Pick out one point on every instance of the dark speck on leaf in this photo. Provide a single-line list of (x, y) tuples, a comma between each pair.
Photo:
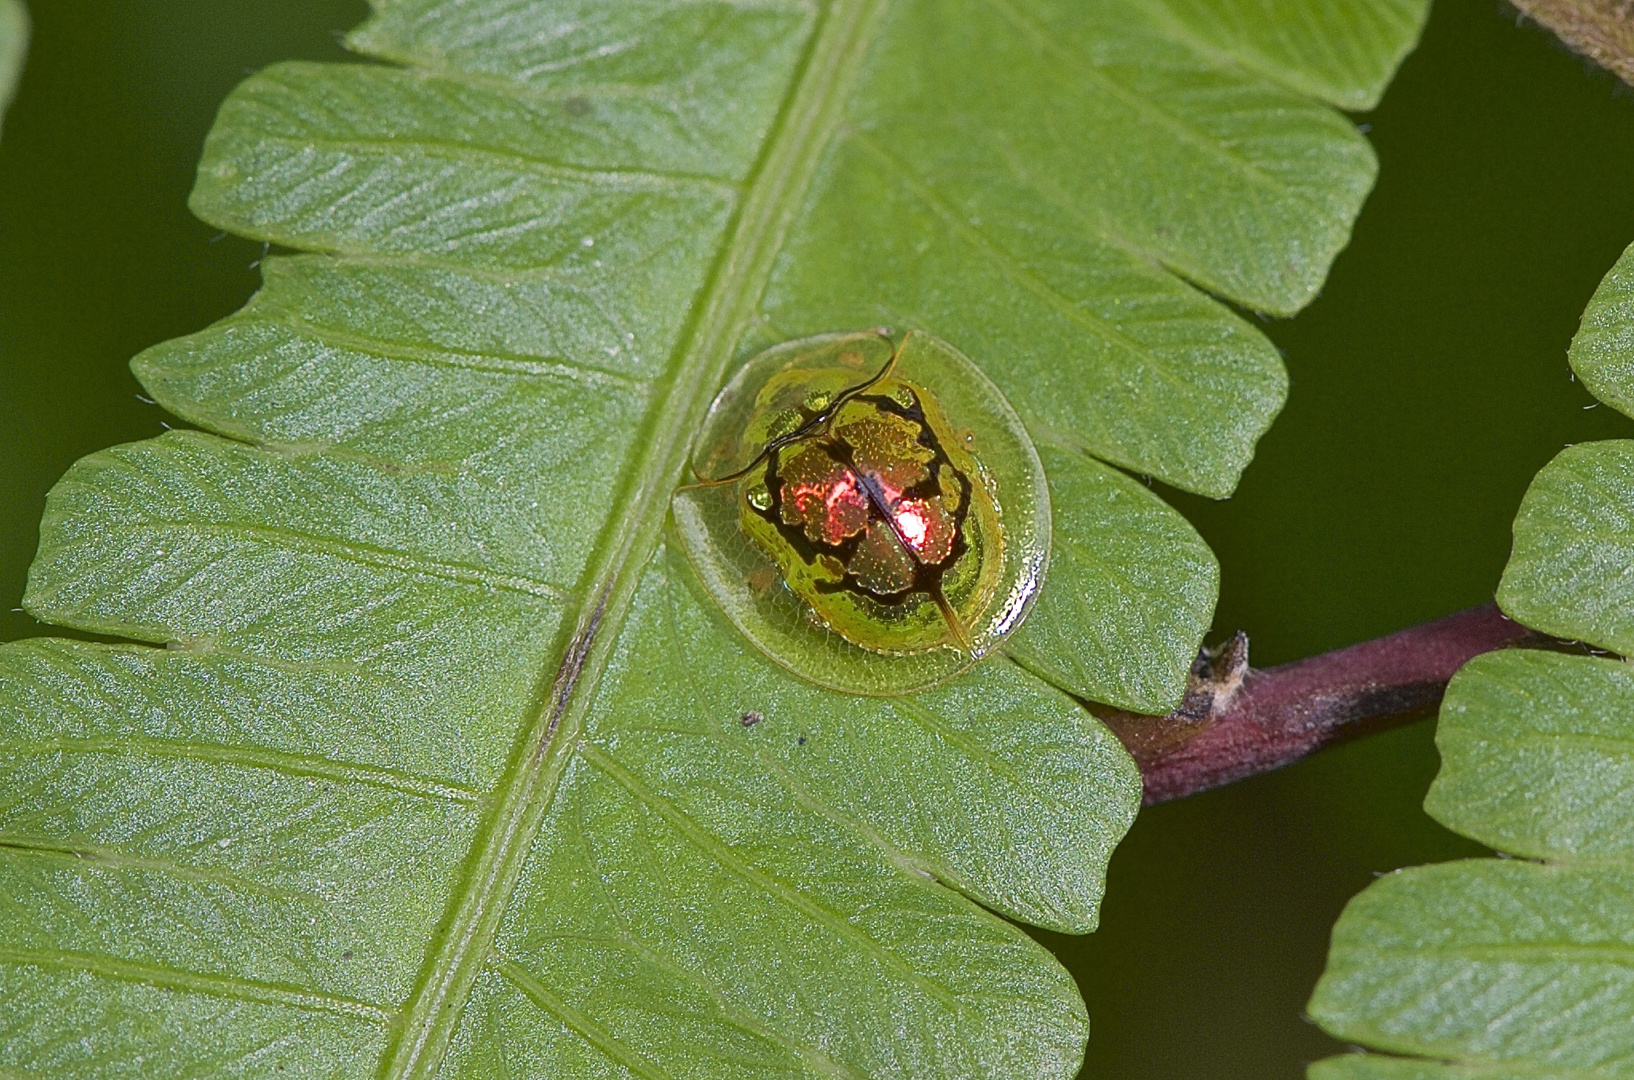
[(751, 718), (576, 106), (347, 955), (801, 740)]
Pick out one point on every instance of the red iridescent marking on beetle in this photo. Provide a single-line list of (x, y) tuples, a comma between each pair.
[(832, 501), (874, 495), (823, 496), (927, 527)]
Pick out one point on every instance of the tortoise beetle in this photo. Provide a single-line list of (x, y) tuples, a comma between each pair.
[(872, 516)]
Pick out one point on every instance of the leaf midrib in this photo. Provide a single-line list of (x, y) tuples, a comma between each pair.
[(806, 125)]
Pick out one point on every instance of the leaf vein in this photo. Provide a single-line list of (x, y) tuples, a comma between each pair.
[(371, 555), (223, 986), (789, 896), (1190, 134), (580, 1023), (93, 857), (255, 757), (594, 179), (1015, 271), (562, 368), (810, 114)]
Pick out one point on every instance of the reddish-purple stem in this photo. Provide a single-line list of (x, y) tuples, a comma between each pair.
[(1238, 722)]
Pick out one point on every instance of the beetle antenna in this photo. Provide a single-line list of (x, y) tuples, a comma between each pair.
[(884, 372), (815, 423)]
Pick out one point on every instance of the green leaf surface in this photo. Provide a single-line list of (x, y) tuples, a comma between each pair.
[(1506, 968), (1489, 962), (1537, 754), (1602, 353), (1380, 1067), (1108, 599), (1055, 261), (1341, 53), (1571, 572), (436, 762), (13, 47), (1520, 968)]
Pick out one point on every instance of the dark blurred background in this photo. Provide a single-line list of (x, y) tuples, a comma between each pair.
[(1429, 384)]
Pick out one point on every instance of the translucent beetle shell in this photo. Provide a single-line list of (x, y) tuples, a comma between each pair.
[(873, 517)]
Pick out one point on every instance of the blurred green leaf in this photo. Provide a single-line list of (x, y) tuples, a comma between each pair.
[(1509, 968), (1602, 353), (444, 765), (13, 47), (1379, 1067), (1572, 570)]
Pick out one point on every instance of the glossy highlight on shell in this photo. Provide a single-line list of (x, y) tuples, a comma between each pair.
[(871, 515)]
